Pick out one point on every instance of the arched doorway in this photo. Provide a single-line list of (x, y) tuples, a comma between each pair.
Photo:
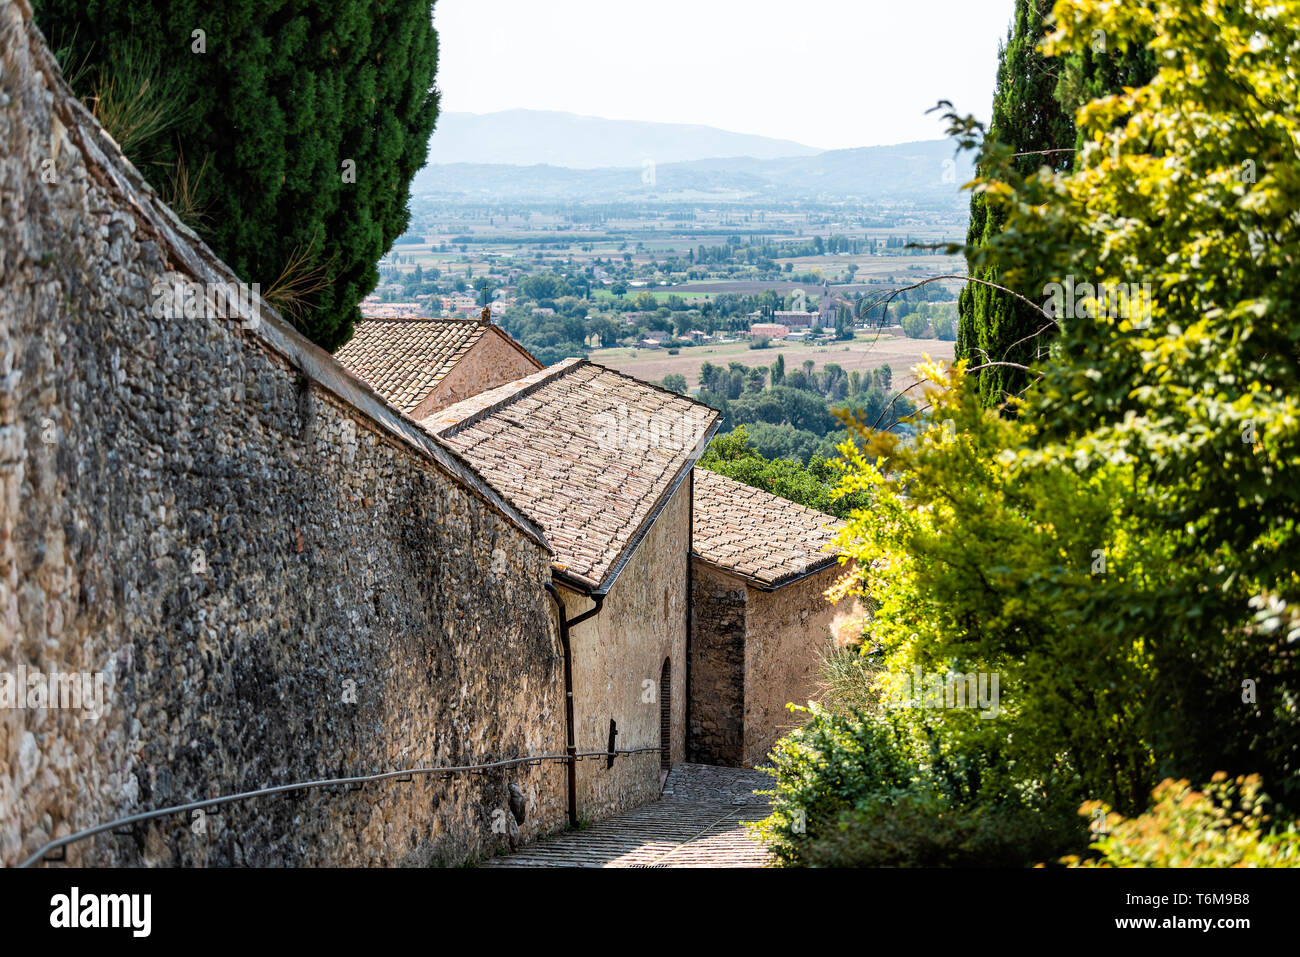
[(666, 716)]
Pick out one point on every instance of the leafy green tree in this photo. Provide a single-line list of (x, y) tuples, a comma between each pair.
[(761, 407), (944, 328), (1122, 554), (778, 370), (675, 382), (783, 441), (733, 454), (915, 327), (711, 377), (296, 128), (544, 286)]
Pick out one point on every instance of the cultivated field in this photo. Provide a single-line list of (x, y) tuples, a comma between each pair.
[(864, 353)]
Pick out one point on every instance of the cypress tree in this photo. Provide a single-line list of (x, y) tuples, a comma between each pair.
[(302, 123), (1033, 110), (1027, 116)]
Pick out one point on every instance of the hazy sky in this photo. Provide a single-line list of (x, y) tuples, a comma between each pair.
[(828, 73)]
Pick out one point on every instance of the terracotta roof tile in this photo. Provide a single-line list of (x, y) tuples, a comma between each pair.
[(757, 535), (404, 359), (586, 452)]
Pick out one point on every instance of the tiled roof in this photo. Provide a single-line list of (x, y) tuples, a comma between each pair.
[(757, 535), (587, 453), (404, 359)]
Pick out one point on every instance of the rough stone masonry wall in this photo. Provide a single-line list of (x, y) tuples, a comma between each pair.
[(717, 666), (278, 577)]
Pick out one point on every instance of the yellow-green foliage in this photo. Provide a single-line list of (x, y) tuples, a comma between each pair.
[(1122, 553), (1106, 551), (1222, 825)]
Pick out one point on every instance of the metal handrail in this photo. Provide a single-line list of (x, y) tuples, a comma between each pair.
[(407, 774)]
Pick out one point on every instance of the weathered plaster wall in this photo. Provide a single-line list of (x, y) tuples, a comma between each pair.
[(787, 632), (492, 362), (278, 584), (615, 654), (717, 666)]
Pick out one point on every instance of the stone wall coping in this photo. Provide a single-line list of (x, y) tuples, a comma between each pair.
[(187, 253)]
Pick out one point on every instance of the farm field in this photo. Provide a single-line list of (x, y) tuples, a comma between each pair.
[(864, 353)]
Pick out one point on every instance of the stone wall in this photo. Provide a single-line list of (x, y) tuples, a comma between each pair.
[(752, 653), (717, 666), (277, 576), (618, 657)]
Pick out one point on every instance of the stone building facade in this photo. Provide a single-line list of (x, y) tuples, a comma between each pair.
[(604, 463), (760, 620), (630, 665)]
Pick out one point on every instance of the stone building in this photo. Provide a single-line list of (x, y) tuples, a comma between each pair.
[(423, 365), (771, 330), (760, 621), (603, 463)]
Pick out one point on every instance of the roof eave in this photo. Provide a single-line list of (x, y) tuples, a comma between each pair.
[(780, 583)]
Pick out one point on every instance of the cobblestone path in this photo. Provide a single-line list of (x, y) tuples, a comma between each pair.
[(696, 823)]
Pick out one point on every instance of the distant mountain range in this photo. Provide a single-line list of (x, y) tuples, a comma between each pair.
[(531, 137), (927, 172)]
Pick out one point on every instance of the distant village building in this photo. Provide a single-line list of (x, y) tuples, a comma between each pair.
[(761, 621), (423, 365), (604, 464), (460, 305), (796, 320), (373, 309), (770, 330)]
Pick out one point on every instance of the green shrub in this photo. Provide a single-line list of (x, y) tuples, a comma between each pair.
[(922, 829), (882, 790), (1223, 825)]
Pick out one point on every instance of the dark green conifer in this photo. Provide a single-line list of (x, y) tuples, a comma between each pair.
[(286, 131)]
